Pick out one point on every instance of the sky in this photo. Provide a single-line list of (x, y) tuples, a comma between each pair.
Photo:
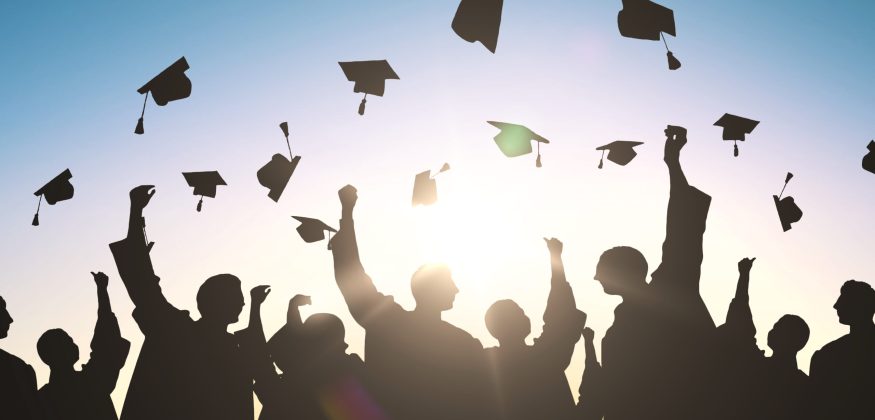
[(69, 100)]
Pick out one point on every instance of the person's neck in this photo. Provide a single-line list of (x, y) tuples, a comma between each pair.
[(785, 360), (214, 326), (61, 374), (427, 312), (862, 328), (512, 345)]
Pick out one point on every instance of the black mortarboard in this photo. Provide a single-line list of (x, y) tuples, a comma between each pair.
[(369, 77), (204, 184), (735, 128), (169, 85), (479, 20), (515, 140), (58, 189), (313, 230), (644, 19), (788, 211), (275, 174), (425, 187), (620, 152), (869, 159)]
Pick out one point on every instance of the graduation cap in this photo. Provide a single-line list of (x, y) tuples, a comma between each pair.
[(169, 85), (275, 174), (58, 189), (515, 140), (620, 152), (313, 230), (425, 187), (869, 159), (735, 127), (788, 211), (644, 19), (369, 77), (204, 184), (479, 20)]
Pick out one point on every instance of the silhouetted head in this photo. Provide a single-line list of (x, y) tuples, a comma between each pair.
[(856, 304), (507, 322), (220, 299), (789, 335), (621, 270), (433, 287), (57, 349), (5, 319), (326, 332)]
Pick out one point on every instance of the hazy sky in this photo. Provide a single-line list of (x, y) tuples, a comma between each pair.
[(68, 100)]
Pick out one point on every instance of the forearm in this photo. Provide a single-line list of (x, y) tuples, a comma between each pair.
[(293, 317), (255, 324), (741, 288), (676, 174), (136, 224), (558, 270), (103, 303)]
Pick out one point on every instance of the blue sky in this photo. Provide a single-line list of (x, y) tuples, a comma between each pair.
[(69, 100)]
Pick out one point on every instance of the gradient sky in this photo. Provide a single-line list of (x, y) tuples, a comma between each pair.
[(69, 100)]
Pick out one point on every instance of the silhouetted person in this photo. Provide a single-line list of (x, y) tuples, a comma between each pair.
[(320, 381), (423, 367), (18, 394), (843, 371), (186, 369), (530, 381), (591, 383), (750, 385), (85, 394), (654, 355)]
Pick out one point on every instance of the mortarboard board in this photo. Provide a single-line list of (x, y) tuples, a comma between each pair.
[(313, 230), (425, 187), (204, 184), (644, 19), (479, 20), (735, 128), (275, 174), (515, 140), (788, 211), (869, 159), (620, 152), (369, 77), (58, 189), (169, 85)]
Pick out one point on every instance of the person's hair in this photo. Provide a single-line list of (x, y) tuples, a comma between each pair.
[(213, 292), (429, 278), (624, 261), (861, 293), (50, 343), (505, 319), (796, 331)]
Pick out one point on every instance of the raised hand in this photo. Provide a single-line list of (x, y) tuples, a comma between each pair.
[(348, 196), (675, 139), (745, 265), (141, 195), (554, 246), (588, 334), (299, 300), (259, 294), (102, 280)]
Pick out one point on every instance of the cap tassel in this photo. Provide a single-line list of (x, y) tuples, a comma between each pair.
[(538, 160), (329, 240), (35, 221), (673, 62), (786, 181), (362, 105), (200, 203), (139, 129), (736, 149), (602, 160)]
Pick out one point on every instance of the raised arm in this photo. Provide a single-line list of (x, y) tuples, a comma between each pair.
[(252, 341), (739, 326), (109, 350), (682, 254), (589, 404), (562, 320), (132, 257), (357, 288)]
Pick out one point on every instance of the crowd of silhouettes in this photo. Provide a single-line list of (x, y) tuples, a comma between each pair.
[(664, 358)]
